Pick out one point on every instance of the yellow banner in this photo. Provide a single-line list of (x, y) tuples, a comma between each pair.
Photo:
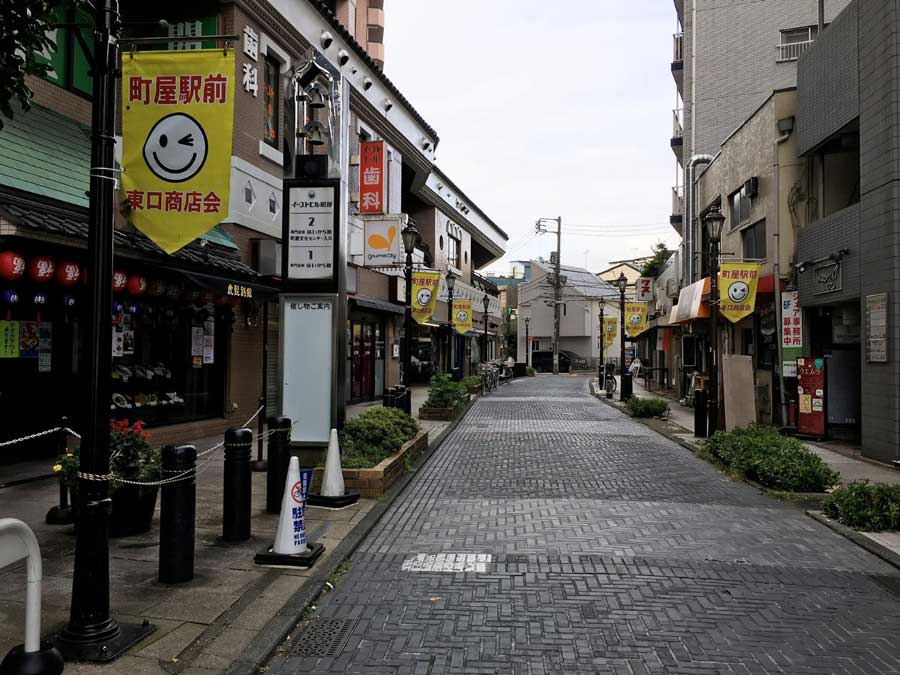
[(737, 289), (424, 294), (177, 123), (462, 316), (635, 318), (610, 331)]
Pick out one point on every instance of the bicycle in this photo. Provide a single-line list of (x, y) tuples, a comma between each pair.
[(609, 383)]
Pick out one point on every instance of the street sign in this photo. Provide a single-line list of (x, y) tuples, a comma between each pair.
[(311, 234), (791, 332), (371, 177), (644, 289)]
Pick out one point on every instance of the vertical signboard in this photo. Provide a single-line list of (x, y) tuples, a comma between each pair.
[(307, 368), (311, 236), (791, 332), (811, 393), (371, 178), (876, 328), (644, 289), (382, 241)]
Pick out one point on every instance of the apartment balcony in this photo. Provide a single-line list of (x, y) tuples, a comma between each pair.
[(677, 140), (679, 9), (678, 61), (791, 51), (676, 220)]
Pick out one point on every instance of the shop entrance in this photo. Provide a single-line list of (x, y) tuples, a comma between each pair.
[(367, 351)]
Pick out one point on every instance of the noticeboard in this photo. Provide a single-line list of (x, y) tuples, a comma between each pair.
[(877, 328), (811, 393)]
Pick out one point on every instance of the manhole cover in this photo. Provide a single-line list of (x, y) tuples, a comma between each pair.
[(322, 637)]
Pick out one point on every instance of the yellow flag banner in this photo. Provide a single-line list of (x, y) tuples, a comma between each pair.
[(610, 331), (462, 316), (424, 294), (635, 318), (177, 123), (737, 289)]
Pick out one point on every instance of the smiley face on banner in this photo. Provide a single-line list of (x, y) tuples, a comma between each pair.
[(635, 318), (176, 148), (737, 290), (462, 316)]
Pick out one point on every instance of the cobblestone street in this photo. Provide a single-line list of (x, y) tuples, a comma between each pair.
[(552, 534)]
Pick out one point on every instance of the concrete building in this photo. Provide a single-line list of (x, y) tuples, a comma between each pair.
[(630, 268), (847, 260)]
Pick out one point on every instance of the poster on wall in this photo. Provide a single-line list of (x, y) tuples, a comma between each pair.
[(811, 394), (28, 339), (45, 346), (877, 328), (9, 339), (791, 332)]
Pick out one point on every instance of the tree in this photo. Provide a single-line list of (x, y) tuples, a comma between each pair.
[(654, 266)]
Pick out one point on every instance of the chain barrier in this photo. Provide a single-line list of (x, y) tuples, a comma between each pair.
[(31, 437)]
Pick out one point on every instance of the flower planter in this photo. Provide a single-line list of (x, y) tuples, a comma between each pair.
[(375, 482), (132, 510), (439, 414), (475, 389)]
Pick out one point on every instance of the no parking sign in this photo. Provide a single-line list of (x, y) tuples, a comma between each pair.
[(177, 123)]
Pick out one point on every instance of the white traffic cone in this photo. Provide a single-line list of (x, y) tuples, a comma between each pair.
[(291, 548), (333, 479), (333, 494)]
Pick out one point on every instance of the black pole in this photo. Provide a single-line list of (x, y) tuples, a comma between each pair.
[(451, 338), (279, 456), (177, 514), (236, 493), (601, 371), (527, 347), (260, 463), (713, 401), (61, 514), (407, 341), (625, 392), (484, 357)]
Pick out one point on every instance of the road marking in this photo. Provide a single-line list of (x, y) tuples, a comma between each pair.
[(447, 562)]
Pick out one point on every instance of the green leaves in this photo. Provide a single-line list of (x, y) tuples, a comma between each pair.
[(375, 435), (866, 506), (646, 407), (445, 393)]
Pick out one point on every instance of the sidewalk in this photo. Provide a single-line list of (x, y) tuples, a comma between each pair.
[(212, 624)]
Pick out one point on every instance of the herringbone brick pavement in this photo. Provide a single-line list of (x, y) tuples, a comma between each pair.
[(613, 550)]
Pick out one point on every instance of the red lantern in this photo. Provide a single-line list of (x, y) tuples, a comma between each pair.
[(40, 269), (68, 273), (12, 265), (120, 280), (137, 284)]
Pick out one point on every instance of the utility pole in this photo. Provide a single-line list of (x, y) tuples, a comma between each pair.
[(821, 18), (557, 285)]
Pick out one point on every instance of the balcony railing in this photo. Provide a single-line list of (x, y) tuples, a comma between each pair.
[(678, 48), (791, 51), (677, 123), (678, 200)]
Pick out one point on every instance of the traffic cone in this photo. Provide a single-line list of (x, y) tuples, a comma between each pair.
[(332, 494), (291, 548)]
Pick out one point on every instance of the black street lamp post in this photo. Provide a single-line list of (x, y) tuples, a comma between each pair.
[(601, 371), (527, 343), (410, 236), (714, 221), (485, 301), (451, 338), (625, 394)]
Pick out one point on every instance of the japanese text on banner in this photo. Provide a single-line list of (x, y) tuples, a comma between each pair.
[(424, 294), (462, 316), (737, 289), (635, 318)]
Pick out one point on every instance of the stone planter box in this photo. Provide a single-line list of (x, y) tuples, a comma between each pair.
[(375, 482), (475, 389), (439, 414)]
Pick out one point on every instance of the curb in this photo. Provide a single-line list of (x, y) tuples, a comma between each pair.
[(857, 538), (279, 626)]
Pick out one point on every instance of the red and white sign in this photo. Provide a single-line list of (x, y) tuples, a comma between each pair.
[(12, 265), (68, 273), (643, 289), (371, 177), (40, 269), (120, 279)]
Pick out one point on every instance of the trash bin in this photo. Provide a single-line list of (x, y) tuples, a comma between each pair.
[(700, 413)]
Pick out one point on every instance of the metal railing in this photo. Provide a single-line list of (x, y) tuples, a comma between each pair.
[(678, 200), (677, 123), (791, 51), (678, 47)]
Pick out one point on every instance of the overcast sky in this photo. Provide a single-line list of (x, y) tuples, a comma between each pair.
[(548, 109)]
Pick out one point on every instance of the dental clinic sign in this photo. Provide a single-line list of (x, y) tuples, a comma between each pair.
[(177, 122)]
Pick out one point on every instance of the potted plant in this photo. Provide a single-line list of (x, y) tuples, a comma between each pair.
[(444, 398), (132, 458), (472, 384)]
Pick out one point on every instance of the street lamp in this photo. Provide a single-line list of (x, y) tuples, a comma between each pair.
[(625, 394), (714, 221), (451, 338), (527, 343), (485, 302), (410, 234), (601, 371)]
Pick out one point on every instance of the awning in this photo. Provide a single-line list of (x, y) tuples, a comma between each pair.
[(766, 284), (690, 302), (230, 286), (368, 302)]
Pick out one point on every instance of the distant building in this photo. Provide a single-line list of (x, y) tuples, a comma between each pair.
[(630, 268)]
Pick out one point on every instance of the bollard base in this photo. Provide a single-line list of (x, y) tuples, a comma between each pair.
[(103, 650), (259, 466), (345, 500), (46, 661), (267, 558), (60, 515)]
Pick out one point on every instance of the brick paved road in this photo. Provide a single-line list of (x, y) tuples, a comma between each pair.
[(612, 550)]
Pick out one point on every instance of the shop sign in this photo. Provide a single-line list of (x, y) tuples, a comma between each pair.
[(737, 289), (382, 241), (610, 331), (310, 214), (239, 291), (811, 393), (462, 316), (177, 125), (425, 286), (828, 277), (877, 328), (635, 318), (791, 332), (371, 177), (643, 289), (9, 339)]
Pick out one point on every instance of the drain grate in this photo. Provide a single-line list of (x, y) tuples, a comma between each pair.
[(322, 637)]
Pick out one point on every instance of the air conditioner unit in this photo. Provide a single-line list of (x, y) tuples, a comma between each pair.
[(269, 262), (751, 187)]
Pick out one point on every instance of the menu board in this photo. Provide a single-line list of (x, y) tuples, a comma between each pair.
[(877, 328), (811, 393)]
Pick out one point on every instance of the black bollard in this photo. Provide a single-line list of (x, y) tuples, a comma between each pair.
[(61, 514), (279, 456), (236, 497), (627, 390), (700, 413), (177, 514)]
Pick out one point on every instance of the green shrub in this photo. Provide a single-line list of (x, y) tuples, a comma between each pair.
[(865, 506), (376, 434), (471, 381), (646, 407), (445, 393), (763, 455), (531, 371)]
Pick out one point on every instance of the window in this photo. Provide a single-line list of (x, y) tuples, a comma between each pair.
[(271, 99), (795, 41), (453, 246), (69, 67), (753, 239), (740, 207)]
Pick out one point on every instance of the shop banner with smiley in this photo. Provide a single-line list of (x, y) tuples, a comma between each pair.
[(635, 318), (737, 289), (462, 316), (177, 122), (424, 294), (610, 331)]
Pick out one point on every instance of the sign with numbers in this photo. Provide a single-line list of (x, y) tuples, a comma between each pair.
[(310, 233)]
